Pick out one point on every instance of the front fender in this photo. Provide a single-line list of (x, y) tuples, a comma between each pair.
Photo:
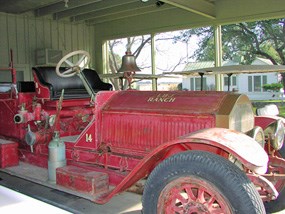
[(264, 121), (243, 147)]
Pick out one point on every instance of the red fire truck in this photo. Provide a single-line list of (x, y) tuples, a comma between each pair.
[(198, 152)]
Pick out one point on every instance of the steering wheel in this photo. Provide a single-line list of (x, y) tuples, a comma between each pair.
[(72, 68)]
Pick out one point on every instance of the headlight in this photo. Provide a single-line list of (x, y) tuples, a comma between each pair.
[(275, 133), (258, 135)]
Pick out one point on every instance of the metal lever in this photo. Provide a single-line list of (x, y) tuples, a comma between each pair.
[(87, 86)]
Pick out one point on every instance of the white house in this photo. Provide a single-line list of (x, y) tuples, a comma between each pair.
[(250, 84)]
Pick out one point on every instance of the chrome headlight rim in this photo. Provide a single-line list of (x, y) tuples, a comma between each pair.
[(257, 134), (275, 133), (278, 135)]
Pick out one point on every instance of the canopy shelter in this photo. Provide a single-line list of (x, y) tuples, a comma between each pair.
[(230, 70), (105, 20)]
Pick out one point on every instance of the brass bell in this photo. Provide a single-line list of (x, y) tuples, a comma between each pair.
[(128, 63), (128, 68)]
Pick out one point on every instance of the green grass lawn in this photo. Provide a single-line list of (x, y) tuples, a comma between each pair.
[(282, 110)]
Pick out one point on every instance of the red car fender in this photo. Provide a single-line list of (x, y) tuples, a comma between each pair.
[(243, 147), (264, 121)]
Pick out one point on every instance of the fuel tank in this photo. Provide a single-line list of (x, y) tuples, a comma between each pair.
[(144, 119)]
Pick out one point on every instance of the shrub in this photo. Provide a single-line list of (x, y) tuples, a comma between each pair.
[(272, 87)]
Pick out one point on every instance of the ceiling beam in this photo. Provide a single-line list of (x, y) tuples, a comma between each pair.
[(201, 7), (128, 14), (60, 6), (114, 11), (99, 5)]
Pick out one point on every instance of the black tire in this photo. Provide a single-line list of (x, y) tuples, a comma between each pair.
[(226, 181), (278, 204)]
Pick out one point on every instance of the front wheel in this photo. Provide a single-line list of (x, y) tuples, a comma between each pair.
[(199, 182)]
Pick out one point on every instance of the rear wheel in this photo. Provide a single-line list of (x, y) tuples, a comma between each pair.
[(278, 204), (199, 182)]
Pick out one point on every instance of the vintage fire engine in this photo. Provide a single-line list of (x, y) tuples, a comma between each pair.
[(199, 152)]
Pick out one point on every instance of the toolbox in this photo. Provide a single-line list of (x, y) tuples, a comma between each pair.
[(8, 153)]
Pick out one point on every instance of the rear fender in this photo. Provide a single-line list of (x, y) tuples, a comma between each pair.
[(243, 147)]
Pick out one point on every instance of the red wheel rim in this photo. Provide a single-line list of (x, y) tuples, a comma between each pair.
[(191, 195)]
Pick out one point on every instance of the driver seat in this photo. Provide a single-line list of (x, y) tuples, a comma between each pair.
[(49, 85)]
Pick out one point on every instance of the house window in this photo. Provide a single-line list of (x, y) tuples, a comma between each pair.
[(249, 83), (195, 83), (255, 83), (192, 84), (233, 80), (264, 80)]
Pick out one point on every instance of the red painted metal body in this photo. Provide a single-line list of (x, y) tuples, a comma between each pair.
[(265, 121), (8, 153), (134, 122), (82, 180), (123, 136)]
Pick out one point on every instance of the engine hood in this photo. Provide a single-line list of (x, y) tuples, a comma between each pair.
[(231, 110), (176, 102)]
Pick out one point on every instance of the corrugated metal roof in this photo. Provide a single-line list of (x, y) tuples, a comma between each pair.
[(206, 64)]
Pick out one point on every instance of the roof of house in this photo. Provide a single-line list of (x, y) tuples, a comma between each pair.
[(206, 64), (261, 61)]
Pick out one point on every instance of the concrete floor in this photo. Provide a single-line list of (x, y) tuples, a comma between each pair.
[(125, 203), (14, 202)]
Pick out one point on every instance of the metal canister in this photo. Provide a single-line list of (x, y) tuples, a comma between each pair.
[(56, 157)]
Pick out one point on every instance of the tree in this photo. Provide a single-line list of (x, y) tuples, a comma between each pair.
[(263, 38), (133, 43), (137, 45), (205, 36), (250, 40)]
